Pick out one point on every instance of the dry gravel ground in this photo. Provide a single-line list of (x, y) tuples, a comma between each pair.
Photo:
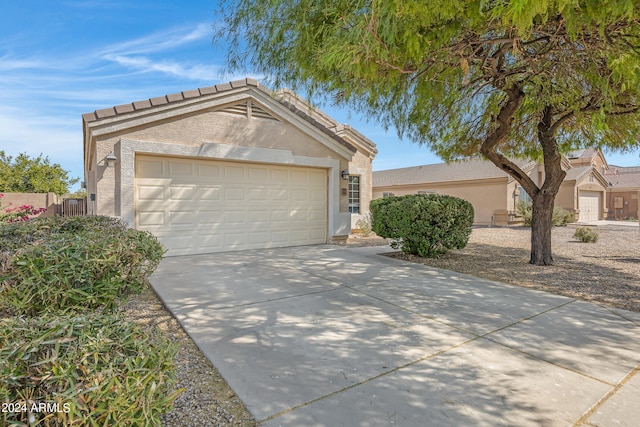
[(207, 400), (606, 272)]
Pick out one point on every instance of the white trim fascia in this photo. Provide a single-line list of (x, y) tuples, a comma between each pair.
[(122, 122)]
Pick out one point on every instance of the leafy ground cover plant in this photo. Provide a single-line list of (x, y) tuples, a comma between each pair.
[(72, 264), (67, 359), (84, 370), (586, 235), (426, 225)]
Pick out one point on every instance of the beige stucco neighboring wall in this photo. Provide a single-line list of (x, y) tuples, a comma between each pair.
[(630, 199), (48, 201), (486, 196), (567, 197)]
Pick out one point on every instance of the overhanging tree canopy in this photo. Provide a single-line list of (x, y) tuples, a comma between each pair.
[(519, 78), (24, 174)]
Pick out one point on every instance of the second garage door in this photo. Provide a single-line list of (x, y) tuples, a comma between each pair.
[(203, 206), (589, 205)]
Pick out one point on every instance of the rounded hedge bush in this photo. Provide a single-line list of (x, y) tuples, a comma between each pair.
[(427, 225)]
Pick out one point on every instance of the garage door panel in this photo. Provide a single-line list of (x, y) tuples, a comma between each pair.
[(317, 178), (151, 192), (149, 168), (234, 217), (181, 218), (234, 173), (206, 192), (208, 171), (150, 218), (280, 175), (182, 192), (300, 195), (279, 195), (198, 206), (234, 194), (209, 217), (318, 196), (259, 174), (260, 238), (260, 194), (181, 169), (317, 215), (299, 236)]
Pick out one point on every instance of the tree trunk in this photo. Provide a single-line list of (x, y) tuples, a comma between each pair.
[(541, 224), (542, 213)]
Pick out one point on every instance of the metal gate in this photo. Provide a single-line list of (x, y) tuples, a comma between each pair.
[(74, 207)]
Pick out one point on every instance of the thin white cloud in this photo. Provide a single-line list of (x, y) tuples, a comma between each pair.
[(8, 64), (146, 65), (158, 42)]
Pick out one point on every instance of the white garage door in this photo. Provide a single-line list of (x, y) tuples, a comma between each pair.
[(589, 205), (203, 206)]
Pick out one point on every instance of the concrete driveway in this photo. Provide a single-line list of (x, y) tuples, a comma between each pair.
[(334, 336)]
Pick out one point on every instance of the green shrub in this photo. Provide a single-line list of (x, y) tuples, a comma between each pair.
[(560, 218), (75, 264), (426, 225), (586, 235), (89, 370)]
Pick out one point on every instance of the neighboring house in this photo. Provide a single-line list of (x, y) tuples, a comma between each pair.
[(492, 192), (227, 167), (495, 195), (623, 197)]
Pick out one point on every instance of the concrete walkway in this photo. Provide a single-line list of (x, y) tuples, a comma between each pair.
[(334, 336)]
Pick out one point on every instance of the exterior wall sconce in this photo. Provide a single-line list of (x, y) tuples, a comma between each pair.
[(111, 160), (344, 174)]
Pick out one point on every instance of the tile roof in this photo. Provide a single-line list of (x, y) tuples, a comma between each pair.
[(442, 172), (577, 172), (287, 98), (622, 169), (585, 153), (624, 180)]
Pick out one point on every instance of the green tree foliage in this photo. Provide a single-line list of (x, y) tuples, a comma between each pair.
[(24, 174), (499, 79), (426, 225)]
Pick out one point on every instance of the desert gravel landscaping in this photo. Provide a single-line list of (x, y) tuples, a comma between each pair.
[(606, 272)]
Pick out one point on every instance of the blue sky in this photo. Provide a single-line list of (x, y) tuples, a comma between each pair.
[(60, 59)]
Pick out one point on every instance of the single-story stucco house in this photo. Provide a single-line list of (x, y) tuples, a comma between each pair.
[(228, 167), (495, 195)]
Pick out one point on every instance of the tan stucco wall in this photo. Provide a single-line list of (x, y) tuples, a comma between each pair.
[(567, 197), (48, 201), (224, 128), (630, 207), (486, 196), (361, 166)]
